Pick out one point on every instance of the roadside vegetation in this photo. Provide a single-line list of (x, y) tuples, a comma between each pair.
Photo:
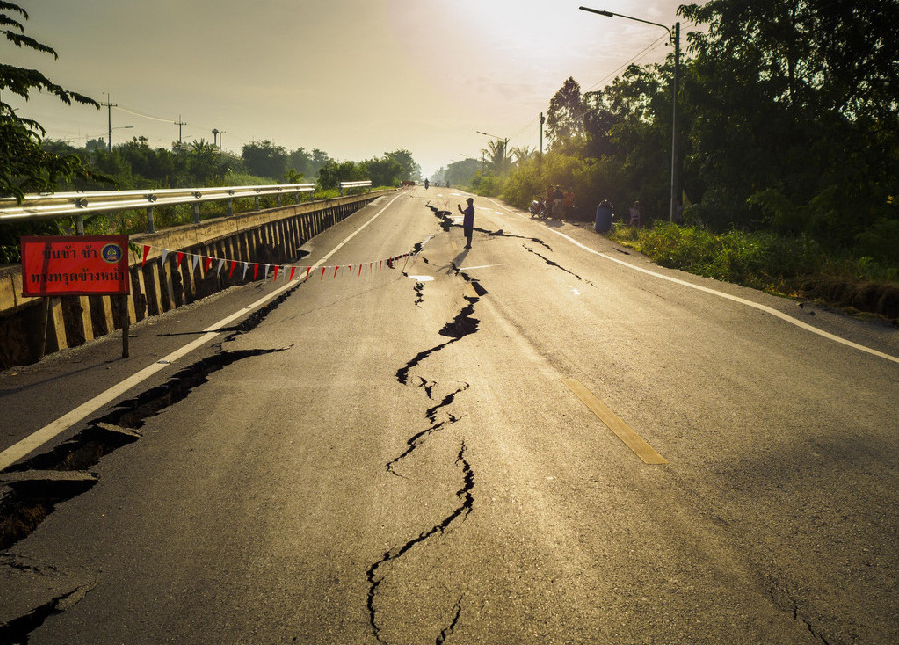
[(788, 129), (30, 163)]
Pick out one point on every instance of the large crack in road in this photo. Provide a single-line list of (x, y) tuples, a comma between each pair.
[(31, 490), (439, 417)]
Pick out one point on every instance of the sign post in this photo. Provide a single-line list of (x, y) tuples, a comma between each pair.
[(79, 265)]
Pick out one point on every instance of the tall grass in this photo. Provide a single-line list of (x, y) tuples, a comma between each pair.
[(760, 259)]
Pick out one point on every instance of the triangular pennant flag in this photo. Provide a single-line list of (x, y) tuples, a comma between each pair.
[(308, 269), (323, 273), (218, 271), (180, 258), (276, 272), (194, 261), (146, 253), (208, 264), (163, 255), (231, 270), (360, 271), (246, 266), (292, 270), (265, 272), (335, 270), (255, 271)]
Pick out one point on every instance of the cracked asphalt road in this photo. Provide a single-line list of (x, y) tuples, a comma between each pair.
[(393, 457)]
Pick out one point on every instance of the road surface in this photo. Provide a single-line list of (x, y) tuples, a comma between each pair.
[(543, 439)]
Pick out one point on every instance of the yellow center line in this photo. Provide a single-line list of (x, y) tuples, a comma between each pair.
[(624, 432)]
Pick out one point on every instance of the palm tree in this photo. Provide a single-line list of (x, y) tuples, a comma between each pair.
[(496, 154)]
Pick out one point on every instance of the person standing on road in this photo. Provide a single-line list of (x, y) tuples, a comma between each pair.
[(468, 221)]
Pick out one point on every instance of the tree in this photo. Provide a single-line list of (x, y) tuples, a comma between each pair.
[(385, 171), (334, 172), (265, 159), (411, 170), (300, 161), (24, 164), (497, 156), (795, 107), (564, 119)]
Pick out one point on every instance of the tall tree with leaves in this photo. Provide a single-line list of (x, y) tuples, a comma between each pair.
[(796, 104), (24, 165), (565, 117)]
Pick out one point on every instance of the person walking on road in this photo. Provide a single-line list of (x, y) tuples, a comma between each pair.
[(468, 222)]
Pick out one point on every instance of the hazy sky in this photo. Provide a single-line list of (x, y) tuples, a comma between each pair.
[(356, 78)]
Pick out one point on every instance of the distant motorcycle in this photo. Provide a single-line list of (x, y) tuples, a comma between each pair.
[(538, 209)]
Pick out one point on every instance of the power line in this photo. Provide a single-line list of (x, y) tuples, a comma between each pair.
[(604, 79)]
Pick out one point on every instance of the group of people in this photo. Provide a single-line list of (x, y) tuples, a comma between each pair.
[(559, 201)]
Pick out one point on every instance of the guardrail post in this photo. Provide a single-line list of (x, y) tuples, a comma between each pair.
[(230, 208), (297, 197), (196, 213), (279, 199), (79, 225), (255, 201), (151, 225)]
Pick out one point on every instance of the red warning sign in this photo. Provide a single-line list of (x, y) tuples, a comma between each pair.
[(75, 265)]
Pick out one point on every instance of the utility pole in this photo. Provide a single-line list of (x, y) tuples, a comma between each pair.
[(179, 123), (109, 107), (542, 121), (674, 37)]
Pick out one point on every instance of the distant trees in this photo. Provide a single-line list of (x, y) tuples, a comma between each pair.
[(458, 173), (265, 159), (410, 169)]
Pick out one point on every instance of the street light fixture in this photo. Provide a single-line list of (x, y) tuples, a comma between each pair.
[(675, 38), (118, 127), (505, 141)]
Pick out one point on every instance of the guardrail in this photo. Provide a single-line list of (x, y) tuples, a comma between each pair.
[(353, 184), (78, 204)]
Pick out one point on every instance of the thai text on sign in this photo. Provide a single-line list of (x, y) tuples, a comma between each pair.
[(75, 265)]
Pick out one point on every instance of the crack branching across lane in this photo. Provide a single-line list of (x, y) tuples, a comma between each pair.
[(463, 324)]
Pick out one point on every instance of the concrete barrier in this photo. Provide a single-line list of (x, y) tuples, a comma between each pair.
[(272, 236)]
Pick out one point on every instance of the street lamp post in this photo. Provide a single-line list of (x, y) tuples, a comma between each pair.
[(505, 141), (675, 38)]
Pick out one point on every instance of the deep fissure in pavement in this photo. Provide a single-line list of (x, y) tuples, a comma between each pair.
[(465, 507), (31, 490), (18, 631), (463, 324)]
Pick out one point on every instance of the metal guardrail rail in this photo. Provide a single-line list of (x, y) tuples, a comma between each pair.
[(343, 185), (45, 206)]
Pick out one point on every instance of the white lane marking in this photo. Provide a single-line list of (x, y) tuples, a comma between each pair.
[(502, 208), (50, 431), (727, 296), (422, 278), (483, 266)]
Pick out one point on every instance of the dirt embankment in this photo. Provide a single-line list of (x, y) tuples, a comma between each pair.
[(853, 295)]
